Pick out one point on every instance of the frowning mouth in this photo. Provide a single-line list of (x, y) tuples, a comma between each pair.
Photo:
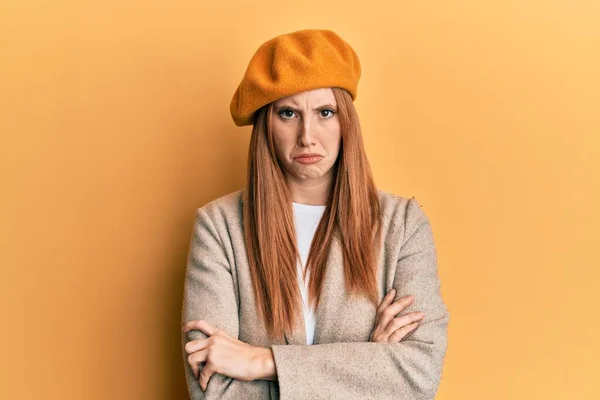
[(309, 159)]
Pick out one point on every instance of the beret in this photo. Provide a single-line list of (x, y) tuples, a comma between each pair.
[(292, 63)]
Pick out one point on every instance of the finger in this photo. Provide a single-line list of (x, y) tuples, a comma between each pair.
[(403, 332), (196, 358), (390, 312), (399, 305), (193, 366), (399, 322), (385, 303), (205, 377), (200, 325), (387, 300), (402, 302), (196, 345)]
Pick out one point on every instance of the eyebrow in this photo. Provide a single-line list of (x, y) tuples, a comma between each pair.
[(296, 109)]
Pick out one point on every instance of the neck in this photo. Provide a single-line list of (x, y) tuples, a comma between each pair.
[(310, 191)]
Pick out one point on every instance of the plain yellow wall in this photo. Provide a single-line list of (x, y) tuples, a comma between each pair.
[(115, 127)]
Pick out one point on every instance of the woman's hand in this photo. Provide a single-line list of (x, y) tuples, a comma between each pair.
[(389, 329), (222, 354)]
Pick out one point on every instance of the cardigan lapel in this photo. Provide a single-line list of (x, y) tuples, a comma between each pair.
[(332, 296), (298, 336)]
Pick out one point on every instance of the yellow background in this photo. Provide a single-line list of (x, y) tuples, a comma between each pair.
[(115, 127)]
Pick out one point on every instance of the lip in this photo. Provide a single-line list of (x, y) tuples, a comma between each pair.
[(308, 155), (309, 158)]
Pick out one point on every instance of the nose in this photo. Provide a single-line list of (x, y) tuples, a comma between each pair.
[(305, 135)]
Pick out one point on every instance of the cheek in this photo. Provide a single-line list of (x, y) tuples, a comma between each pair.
[(282, 144), (279, 148), (333, 143)]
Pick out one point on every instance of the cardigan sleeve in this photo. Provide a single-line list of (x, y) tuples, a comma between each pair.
[(408, 370), (209, 294)]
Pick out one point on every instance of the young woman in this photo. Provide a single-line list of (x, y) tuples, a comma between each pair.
[(310, 282)]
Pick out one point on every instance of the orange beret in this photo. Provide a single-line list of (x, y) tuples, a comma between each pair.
[(292, 63)]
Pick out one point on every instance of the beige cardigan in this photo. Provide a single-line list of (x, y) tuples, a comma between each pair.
[(342, 363)]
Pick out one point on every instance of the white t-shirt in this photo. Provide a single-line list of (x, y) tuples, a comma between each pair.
[(307, 219)]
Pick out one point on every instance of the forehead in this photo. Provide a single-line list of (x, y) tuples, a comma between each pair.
[(316, 96)]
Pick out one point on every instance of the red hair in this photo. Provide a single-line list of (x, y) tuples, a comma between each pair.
[(352, 208)]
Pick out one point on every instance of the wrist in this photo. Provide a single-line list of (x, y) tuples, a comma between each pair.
[(264, 365)]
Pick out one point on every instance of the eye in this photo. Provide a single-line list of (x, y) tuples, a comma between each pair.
[(328, 110), (285, 113)]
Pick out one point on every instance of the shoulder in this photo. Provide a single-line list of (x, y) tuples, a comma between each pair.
[(401, 212), (394, 205), (223, 208)]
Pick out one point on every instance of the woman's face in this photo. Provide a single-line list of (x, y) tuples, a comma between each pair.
[(306, 123)]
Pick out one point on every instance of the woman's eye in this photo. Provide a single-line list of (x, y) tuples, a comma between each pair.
[(330, 111), (286, 114)]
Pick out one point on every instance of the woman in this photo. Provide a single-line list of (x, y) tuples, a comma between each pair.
[(310, 282)]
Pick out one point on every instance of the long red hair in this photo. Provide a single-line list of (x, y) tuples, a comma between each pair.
[(352, 208)]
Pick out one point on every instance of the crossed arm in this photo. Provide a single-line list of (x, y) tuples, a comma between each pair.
[(410, 369)]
